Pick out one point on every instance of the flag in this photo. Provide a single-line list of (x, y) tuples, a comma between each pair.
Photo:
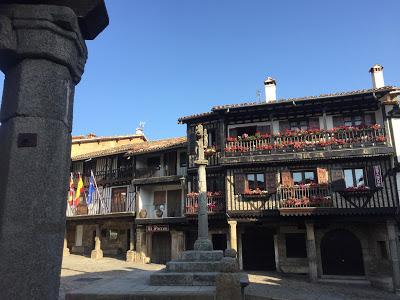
[(71, 191), (79, 190), (92, 189)]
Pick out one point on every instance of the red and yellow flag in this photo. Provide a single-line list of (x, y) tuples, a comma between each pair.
[(71, 190), (79, 191)]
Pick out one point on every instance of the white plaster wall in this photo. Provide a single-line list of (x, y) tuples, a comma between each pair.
[(396, 135), (329, 122), (146, 199)]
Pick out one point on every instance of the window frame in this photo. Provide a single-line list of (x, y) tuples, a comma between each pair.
[(315, 180), (247, 187), (353, 174)]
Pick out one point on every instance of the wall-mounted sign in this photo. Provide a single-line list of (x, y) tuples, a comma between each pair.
[(378, 176), (157, 228)]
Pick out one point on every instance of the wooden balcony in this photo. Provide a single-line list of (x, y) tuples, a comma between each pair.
[(118, 174), (215, 203), (312, 199), (103, 205), (312, 144), (213, 160)]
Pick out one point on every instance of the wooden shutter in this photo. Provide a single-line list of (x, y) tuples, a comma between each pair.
[(283, 126), (240, 183), (313, 123), (338, 183), (159, 197), (322, 175), (287, 179), (192, 140), (271, 182), (374, 174)]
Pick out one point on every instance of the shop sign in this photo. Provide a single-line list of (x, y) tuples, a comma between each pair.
[(157, 228)]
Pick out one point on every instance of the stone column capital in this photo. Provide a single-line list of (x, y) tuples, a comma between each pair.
[(41, 32)]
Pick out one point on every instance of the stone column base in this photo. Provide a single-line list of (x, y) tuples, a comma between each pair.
[(66, 252), (137, 257), (96, 254)]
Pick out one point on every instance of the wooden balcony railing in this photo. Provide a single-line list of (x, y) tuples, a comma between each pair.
[(102, 205), (215, 203), (212, 159), (344, 137), (305, 196), (109, 175), (153, 172)]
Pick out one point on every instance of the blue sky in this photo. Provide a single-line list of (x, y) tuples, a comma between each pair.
[(159, 60)]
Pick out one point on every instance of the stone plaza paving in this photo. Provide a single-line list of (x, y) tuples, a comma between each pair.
[(115, 276)]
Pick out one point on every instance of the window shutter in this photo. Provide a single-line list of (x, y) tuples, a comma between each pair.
[(271, 182), (375, 179), (313, 123), (192, 140), (322, 175), (287, 179), (240, 183), (283, 126), (338, 183)]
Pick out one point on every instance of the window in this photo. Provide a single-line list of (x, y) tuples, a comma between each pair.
[(296, 245), (183, 159), (250, 130), (118, 199), (299, 125), (354, 120), (211, 137), (354, 177), (303, 177), (256, 181), (154, 163), (382, 250)]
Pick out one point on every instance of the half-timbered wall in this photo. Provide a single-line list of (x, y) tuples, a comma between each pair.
[(384, 197)]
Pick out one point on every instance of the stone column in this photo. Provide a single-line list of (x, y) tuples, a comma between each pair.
[(392, 230), (311, 252), (203, 242), (97, 253), (233, 234), (42, 54), (131, 253), (65, 250), (141, 245)]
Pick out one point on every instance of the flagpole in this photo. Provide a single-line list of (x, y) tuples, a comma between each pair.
[(97, 189)]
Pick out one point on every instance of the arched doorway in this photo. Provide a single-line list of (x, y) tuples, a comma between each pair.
[(341, 254)]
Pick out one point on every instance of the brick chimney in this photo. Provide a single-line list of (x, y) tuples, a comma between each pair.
[(377, 76), (270, 89)]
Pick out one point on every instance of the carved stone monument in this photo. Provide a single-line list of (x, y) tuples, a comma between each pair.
[(42, 54), (201, 265)]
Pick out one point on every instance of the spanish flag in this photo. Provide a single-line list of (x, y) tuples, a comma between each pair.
[(71, 191), (79, 191)]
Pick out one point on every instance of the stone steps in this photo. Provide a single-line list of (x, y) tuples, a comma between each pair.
[(193, 255), (183, 279), (192, 266)]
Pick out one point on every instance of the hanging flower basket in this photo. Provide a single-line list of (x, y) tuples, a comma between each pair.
[(209, 152), (362, 192)]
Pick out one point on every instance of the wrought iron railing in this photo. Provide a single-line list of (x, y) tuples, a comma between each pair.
[(125, 172), (305, 196), (337, 138), (215, 204)]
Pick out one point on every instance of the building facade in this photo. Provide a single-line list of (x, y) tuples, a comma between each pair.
[(305, 185)]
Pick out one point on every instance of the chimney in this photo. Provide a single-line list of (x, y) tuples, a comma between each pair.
[(140, 129), (377, 76), (270, 89)]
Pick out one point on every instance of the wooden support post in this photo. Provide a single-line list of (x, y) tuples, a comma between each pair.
[(311, 252)]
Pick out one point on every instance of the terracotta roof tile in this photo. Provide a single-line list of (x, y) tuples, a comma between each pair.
[(139, 148), (289, 100)]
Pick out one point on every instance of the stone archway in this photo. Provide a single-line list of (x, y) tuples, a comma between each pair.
[(341, 254)]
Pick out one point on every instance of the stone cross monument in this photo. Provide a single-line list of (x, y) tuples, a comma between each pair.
[(202, 242), (42, 54)]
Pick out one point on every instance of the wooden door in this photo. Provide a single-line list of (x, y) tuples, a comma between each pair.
[(174, 203), (171, 160), (161, 247), (118, 199)]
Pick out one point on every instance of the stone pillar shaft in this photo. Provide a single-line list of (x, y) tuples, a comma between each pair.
[(311, 252), (35, 148), (233, 234), (132, 237), (203, 214), (394, 253), (65, 250)]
